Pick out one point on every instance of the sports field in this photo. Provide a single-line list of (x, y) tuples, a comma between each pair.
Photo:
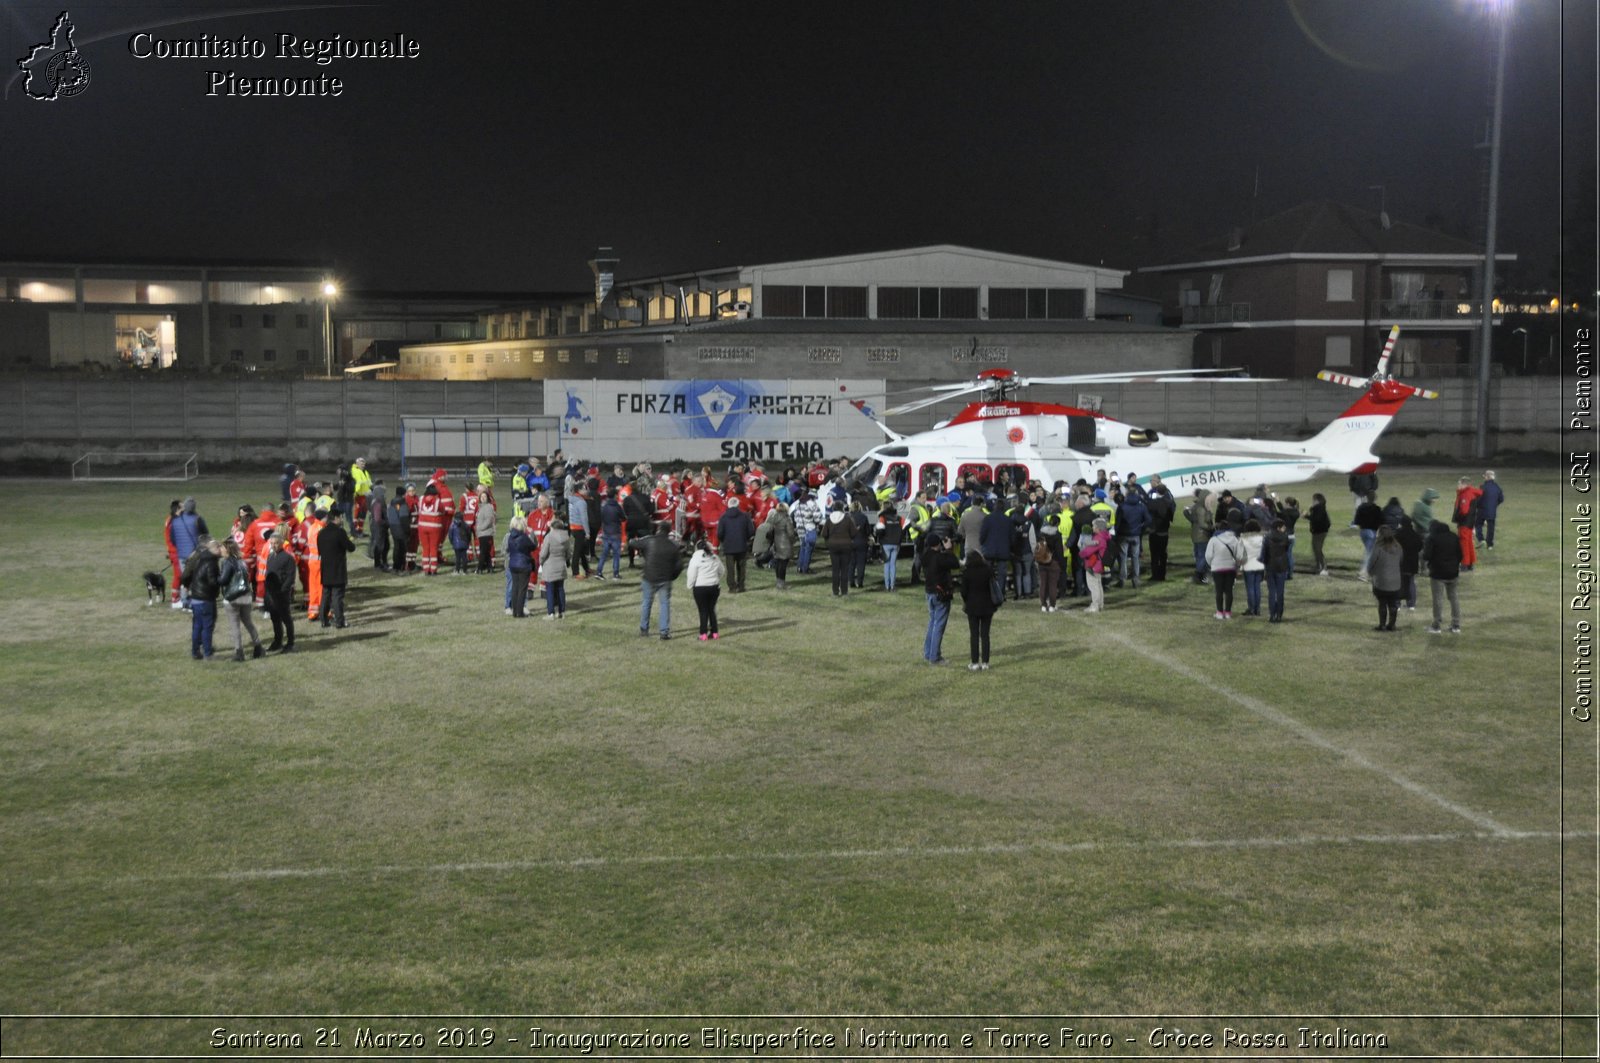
[(441, 810)]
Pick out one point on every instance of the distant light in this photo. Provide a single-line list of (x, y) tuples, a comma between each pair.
[(330, 289)]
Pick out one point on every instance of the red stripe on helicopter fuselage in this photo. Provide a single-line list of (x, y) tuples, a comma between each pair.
[(993, 411)]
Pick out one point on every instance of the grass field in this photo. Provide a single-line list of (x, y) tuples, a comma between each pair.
[(441, 810)]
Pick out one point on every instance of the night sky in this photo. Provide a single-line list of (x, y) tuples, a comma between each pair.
[(686, 136)]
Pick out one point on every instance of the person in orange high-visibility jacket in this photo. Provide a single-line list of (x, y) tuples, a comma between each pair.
[(431, 522), (313, 560)]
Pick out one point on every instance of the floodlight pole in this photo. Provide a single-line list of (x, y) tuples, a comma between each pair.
[(1480, 448)]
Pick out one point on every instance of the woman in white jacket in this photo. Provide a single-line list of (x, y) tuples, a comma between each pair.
[(704, 579)]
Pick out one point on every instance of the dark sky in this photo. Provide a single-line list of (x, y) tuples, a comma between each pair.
[(700, 136)]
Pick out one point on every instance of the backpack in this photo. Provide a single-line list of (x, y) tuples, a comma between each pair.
[(1042, 554)]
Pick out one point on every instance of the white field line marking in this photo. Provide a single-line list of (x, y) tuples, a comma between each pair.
[(1307, 734), (582, 863)]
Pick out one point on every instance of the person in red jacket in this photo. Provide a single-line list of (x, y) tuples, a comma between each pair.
[(172, 553), (431, 523), (446, 499), (312, 574), (254, 549), (713, 504), (1465, 516), (469, 517)]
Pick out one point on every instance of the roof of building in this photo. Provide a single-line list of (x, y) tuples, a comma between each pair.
[(950, 326), (852, 257), (1323, 227)]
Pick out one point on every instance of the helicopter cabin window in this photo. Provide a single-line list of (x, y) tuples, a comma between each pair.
[(900, 476), (931, 475), (975, 469), (1011, 477), (1142, 437)]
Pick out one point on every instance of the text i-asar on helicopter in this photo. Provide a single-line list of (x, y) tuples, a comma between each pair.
[(1053, 443)]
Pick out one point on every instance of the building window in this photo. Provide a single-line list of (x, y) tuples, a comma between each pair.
[(1055, 304), (537, 357), (236, 321), (302, 321), (591, 356), (1008, 304), (897, 303), (782, 300), (1336, 352), (624, 355), (847, 302), (563, 357), (236, 355), (269, 355), (269, 320), (1341, 285), (302, 354), (469, 357), (1067, 304), (958, 302)]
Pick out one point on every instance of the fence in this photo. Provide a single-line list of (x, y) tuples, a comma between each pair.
[(253, 421)]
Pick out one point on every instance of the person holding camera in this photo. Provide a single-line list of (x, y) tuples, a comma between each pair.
[(940, 569)]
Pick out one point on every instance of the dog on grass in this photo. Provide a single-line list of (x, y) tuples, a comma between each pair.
[(155, 588)]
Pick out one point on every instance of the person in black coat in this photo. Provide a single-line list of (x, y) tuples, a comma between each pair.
[(400, 527), (280, 593), (1441, 552), (1410, 560), (333, 543), (979, 603), (1163, 508)]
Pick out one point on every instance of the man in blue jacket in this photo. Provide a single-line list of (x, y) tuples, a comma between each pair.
[(1133, 521), (1493, 498), (735, 530), (994, 543)]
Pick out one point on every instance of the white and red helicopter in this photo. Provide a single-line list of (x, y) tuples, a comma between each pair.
[(1051, 443)]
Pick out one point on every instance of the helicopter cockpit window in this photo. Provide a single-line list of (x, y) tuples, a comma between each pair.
[(864, 471), (1142, 437)]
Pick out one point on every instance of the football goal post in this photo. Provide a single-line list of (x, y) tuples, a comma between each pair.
[(458, 443), (104, 466)]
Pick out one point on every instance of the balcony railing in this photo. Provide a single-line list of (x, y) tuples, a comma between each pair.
[(1459, 310), (1221, 314)]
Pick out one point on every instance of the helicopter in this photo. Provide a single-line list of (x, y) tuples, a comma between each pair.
[(999, 435)]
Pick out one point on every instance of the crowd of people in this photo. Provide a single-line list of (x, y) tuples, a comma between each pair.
[(986, 542)]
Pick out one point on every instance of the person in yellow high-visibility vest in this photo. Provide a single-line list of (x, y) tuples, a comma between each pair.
[(363, 487)]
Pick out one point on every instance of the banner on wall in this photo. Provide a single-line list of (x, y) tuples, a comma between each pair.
[(769, 421)]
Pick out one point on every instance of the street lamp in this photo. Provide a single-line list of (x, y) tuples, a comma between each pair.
[(330, 291), (1502, 11), (1524, 333)]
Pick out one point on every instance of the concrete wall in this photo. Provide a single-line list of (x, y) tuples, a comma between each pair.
[(45, 421)]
